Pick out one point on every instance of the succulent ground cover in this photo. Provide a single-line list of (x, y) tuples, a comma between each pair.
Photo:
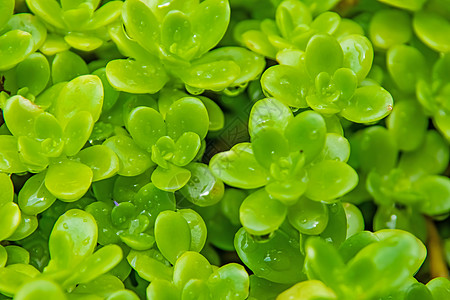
[(224, 149)]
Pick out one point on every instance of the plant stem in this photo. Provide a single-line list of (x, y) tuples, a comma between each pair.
[(438, 267)]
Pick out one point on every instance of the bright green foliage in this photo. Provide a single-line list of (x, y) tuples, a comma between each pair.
[(275, 259), (390, 27), (285, 156), (398, 255), (73, 261), (324, 70), (172, 41), (10, 212), (77, 24)]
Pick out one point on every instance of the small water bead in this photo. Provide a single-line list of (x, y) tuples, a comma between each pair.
[(278, 260)]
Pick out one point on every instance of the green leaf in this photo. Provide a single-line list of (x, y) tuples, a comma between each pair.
[(436, 192), (6, 12), (83, 42), (17, 255), (84, 93), (308, 217), (137, 241), (398, 256), (50, 11), (34, 197), (432, 29), (9, 155), (195, 289), (329, 180), (54, 44), (260, 214), (186, 149), (103, 162), (32, 154), (77, 131), (269, 145), (100, 262), (7, 188), (137, 76), (197, 227), (177, 36), (408, 5), (170, 179), (358, 54), (28, 224), (230, 281), (162, 289), (141, 24), (239, 168), (68, 180), (150, 265), (105, 15), (323, 54), (336, 147), (15, 46), (439, 287), (111, 95), (307, 133), (31, 24), (378, 150), (326, 22), (73, 239), (14, 278), (146, 126), (191, 266), (202, 189), (67, 66), (270, 113), (352, 245), (287, 84), (132, 159), (40, 289), (9, 219), (188, 114), (216, 75), (430, 158), (390, 27), (172, 234), (33, 73), (275, 258), (209, 22), (406, 66), (291, 14), (20, 115), (308, 290), (368, 104), (215, 114), (323, 262), (256, 41), (408, 125), (250, 64)]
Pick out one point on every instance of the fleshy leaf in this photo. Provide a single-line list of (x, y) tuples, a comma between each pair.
[(368, 104), (136, 76), (172, 224), (15, 46), (187, 114), (209, 22), (68, 180), (239, 168)]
